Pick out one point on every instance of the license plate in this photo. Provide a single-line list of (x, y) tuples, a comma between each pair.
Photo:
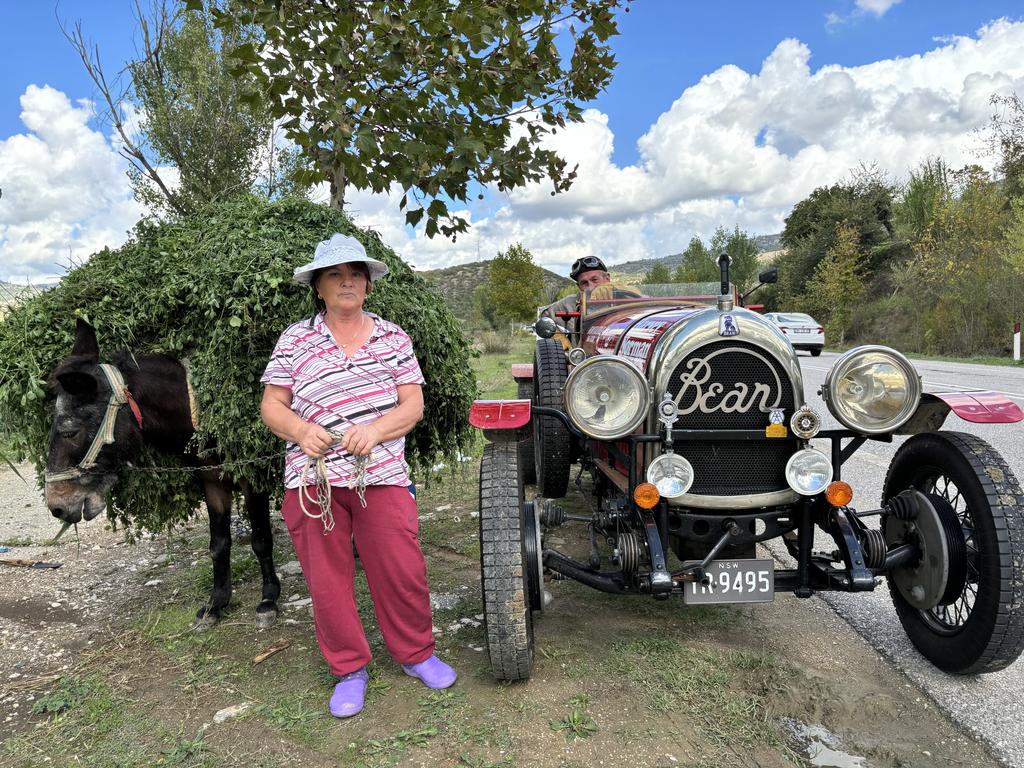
[(801, 330), (734, 581)]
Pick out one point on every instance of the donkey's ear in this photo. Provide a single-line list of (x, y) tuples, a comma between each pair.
[(77, 384), (85, 341)]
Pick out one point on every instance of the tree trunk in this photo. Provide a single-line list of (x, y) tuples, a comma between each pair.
[(338, 188)]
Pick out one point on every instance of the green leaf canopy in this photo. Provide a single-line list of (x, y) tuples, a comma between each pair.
[(430, 96), (216, 288)]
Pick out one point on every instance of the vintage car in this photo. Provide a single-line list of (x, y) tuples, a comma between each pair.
[(688, 420)]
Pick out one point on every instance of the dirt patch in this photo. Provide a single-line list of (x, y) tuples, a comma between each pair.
[(101, 648)]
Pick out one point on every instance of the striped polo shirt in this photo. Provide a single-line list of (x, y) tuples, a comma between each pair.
[(336, 392)]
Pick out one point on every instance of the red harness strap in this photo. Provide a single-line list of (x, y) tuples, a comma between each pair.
[(134, 406)]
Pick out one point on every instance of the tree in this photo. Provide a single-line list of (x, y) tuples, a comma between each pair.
[(964, 275), (865, 201), (837, 284), (697, 265), (515, 286), (434, 97), (743, 251), (927, 188), (659, 273), (188, 112), (1005, 139)]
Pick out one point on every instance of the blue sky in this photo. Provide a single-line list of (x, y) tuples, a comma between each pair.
[(771, 99)]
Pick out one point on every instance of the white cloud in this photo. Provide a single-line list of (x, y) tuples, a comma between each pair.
[(741, 148), (736, 147), (877, 7), (65, 194)]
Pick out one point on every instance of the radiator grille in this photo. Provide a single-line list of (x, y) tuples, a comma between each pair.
[(733, 467)]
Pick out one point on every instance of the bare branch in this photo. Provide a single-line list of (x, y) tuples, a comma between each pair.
[(90, 56)]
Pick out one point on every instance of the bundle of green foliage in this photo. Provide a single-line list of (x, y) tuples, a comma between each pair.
[(215, 288)]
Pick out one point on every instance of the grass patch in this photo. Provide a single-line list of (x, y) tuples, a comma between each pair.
[(244, 568), (92, 723), (577, 724), (493, 371), (393, 747), (17, 541), (70, 693), (726, 693)]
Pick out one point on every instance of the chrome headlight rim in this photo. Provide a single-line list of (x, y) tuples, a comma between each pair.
[(804, 452), (844, 363), (576, 356), (667, 458), (642, 389)]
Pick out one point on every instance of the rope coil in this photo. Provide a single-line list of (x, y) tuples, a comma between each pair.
[(322, 501)]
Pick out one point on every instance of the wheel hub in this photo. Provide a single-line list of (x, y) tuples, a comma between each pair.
[(532, 560), (939, 575)]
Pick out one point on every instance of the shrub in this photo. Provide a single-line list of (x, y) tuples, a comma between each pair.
[(493, 343)]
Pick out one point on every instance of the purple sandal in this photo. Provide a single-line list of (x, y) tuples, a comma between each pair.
[(349, 694), (433, 672)]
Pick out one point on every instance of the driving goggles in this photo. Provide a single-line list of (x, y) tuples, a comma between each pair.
[(585, 263)]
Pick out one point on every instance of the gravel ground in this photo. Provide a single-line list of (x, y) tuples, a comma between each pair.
[(50, 616)]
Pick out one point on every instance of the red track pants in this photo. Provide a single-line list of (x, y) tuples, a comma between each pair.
[(389, 550)]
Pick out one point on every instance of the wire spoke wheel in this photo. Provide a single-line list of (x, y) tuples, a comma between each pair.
[(978, 624)]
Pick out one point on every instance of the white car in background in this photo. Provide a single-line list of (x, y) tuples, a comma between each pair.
[(803, 331)]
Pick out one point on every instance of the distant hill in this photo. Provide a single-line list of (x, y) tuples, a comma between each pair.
[(457, 284), (643, 266), (12, 294)]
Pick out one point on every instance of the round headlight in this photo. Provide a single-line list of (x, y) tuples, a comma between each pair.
[(606, 397), (808, 472), (576, 355), (671, 474), (872, 390)]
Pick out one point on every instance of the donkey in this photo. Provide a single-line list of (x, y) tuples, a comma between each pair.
[(103, 417)]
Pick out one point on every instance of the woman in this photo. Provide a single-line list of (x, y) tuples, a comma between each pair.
[(344, 388)]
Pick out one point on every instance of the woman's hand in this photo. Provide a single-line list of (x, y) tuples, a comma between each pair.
[(361, 439), (314, 440)]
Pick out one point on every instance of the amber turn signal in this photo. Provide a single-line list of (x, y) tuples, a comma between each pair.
[(839, 494), (646, 495)]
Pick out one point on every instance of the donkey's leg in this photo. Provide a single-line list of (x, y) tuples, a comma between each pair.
[(218, 504), (258, 507)]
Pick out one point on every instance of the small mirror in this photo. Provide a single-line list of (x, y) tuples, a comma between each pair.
[(545, 327), (770, 275)]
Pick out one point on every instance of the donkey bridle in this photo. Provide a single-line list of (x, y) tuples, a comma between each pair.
[(119, 395)]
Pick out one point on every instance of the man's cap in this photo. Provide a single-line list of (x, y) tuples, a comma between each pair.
[(586, 264)]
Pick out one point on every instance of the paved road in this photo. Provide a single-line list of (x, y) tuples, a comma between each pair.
[(990, 705)]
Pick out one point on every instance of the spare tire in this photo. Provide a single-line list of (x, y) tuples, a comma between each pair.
[(551, 440)]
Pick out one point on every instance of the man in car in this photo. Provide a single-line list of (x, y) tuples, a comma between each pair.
[(592, 279), (588, 273)]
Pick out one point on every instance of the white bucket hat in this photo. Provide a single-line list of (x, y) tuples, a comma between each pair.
[(340, 249)]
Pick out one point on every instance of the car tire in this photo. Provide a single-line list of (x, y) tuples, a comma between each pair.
[(816, 352), (508, 621), (526, 455), (551, 440), (983, 631)]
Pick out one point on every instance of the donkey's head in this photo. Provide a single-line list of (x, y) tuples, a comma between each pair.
[(83, 461)]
